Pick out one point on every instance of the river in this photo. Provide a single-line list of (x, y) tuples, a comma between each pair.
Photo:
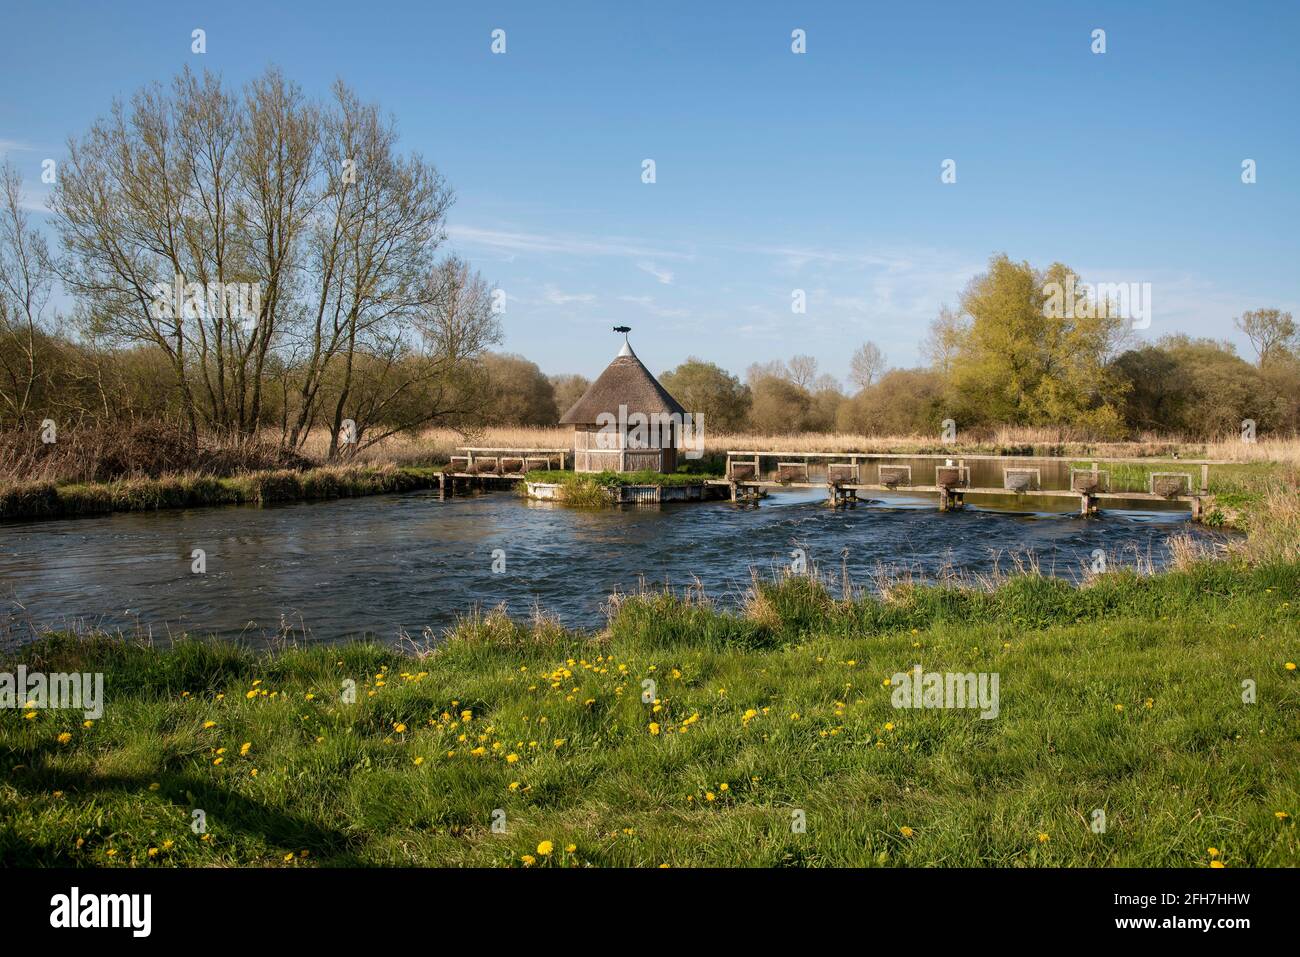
[(390, 564)]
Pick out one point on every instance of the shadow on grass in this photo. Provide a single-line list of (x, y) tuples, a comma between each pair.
[(228, 811)]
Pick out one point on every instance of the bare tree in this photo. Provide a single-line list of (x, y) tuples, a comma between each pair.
[(169, 202), (1271, 332), (26, 279), (866, 366), (407, 377), (802, 371)]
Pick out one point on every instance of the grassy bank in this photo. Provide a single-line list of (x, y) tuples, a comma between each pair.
[(587, 489), (29, 500), (1123, 696)]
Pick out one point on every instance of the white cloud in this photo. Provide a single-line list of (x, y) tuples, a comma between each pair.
[(649, 305), (559, 298), (664, 276), (567, 245)]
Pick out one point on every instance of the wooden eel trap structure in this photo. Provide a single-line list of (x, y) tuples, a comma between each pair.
[(489, 467), (847, 474)]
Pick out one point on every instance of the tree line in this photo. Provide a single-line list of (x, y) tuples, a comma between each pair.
[(253, 262), (1001, 357)]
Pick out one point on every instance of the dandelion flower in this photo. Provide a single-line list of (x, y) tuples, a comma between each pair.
[(528, 860), (1281, 815), (209, 724), (654, 727), (1212, 851), (65, 737), (399, 728), (545, 847), (1043, 837), (1216, 863), (906, 831), (1290, 666), (570, 848)]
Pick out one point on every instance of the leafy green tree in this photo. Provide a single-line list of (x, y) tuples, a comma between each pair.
[(1020, 361), (702, 387)]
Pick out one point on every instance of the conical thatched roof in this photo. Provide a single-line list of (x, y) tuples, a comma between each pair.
[(624, 382)]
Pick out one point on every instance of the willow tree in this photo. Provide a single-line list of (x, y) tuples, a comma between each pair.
[(330, 237), (1018, 360)]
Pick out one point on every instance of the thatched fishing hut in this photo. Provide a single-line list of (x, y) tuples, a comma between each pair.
[(625, 421)]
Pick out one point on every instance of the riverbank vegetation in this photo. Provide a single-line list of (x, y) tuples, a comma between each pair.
[(1125, 735), (33, 500)]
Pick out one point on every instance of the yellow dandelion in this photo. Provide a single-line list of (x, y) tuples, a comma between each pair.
[(209, 724), (545, 847), (65, 737), (570, 848), (528, 860), (1043, 837), (906, 831), (1212, 851)]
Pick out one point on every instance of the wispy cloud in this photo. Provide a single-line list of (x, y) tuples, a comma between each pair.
[(649, 305), (559, 298), (521, 242), (664, 276)]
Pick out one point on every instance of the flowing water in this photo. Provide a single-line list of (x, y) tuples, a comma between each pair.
[(400, 563)]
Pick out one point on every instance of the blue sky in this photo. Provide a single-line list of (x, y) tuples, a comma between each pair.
[(775, 171)]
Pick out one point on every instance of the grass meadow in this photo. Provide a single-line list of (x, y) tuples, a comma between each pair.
[(1124, 696)]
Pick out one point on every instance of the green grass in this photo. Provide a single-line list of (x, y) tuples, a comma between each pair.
[(1184, 766), (48, 500), (588, 489)]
